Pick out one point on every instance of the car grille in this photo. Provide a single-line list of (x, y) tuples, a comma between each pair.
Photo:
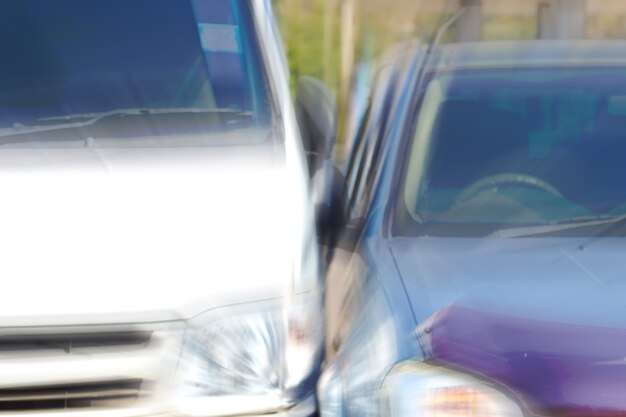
[(67, 342), (114, 394), (81, 371)]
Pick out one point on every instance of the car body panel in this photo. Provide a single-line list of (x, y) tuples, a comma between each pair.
[(162, 237), (517, 353), (565, 280)]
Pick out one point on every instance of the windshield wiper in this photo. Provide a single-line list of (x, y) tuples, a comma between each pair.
[(561, 225), (87, 119)]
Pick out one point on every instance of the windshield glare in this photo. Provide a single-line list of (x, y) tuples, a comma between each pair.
[(68, 60), (519, 146)]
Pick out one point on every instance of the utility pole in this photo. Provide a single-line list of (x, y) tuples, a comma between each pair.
[(470, 23), (570, 19), (561, 19), (347, 44), (347, 58), (329, 9)]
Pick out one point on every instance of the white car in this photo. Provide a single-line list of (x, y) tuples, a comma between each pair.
[(158, 248)]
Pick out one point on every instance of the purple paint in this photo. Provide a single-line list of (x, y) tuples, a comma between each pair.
[(553, 368)]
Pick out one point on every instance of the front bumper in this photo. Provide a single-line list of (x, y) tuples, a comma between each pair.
[(116, 371), (305, 408)]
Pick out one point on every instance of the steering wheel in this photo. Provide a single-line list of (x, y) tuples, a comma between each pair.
[(505, 180)]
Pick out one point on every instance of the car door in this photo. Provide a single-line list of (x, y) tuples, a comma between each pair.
[(344, 280)]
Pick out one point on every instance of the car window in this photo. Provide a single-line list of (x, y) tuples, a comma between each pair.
[(355, 165), (368, 144), (89, 61), (519, 146)]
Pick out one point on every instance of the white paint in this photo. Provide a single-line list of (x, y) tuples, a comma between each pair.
[(149, 235)]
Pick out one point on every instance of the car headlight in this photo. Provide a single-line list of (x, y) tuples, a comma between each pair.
[(253, 358), (417, 389)]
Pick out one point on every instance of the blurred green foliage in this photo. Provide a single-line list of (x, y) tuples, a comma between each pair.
[(606, 26), (311, 39), (509, 27), (312, 31)]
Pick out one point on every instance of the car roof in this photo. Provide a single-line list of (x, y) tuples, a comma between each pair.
[(520, 54)]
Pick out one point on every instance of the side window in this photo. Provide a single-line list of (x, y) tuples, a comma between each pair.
[(370, 149), (355, 164), (357, 203)]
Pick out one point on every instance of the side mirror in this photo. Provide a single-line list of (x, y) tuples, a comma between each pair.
[(328, 186), (316, 111)]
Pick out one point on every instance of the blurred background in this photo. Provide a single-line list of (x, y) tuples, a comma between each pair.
[(339, 40)]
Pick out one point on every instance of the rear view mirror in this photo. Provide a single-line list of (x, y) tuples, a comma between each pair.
[(316, 111)]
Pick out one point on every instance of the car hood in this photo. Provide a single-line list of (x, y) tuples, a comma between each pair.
[(126, 235), (543, 317)]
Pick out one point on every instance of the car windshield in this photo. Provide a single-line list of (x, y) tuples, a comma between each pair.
[(118, 69), (513, 147)]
